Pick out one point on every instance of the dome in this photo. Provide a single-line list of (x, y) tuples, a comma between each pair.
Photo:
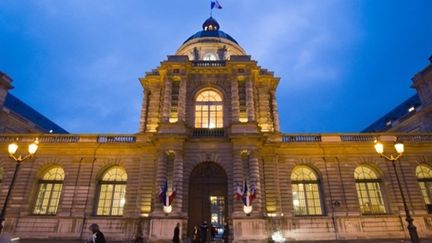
[(210, 44), (211, 29)]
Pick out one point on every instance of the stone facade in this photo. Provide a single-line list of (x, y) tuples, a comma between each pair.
[(173, 146)]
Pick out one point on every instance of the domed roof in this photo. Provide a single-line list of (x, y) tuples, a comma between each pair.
[(211, 29)]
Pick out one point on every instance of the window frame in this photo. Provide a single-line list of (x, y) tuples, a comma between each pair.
[(309, 202), (115, 184), (369, 184), (38, 203), (207, 111), (425, 185)]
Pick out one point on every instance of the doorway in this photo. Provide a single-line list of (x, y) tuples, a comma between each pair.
[(208, 197)]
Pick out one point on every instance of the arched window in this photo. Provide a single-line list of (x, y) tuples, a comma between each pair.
[(305, 191), (50, 187), (369, 191), (208, 110), (424, 177), (112, 192)]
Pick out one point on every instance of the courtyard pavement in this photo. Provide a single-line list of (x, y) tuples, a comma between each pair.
[(332, 241)]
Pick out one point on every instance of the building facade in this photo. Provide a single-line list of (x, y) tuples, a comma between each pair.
[(209, 128)]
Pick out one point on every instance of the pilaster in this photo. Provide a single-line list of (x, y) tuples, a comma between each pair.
[(235, 101), (166, 99), (250, 100)]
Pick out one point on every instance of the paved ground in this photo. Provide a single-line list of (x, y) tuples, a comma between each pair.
[(334, 241)]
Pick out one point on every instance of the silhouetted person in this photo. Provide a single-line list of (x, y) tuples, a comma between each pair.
[(226, 233), (98, 236), (176, 237), (195, 234), (203, 231)]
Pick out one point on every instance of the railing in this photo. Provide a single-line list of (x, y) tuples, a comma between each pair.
[(208, 63), (207, 132), (355, 137), (116, 139), (301, 138)]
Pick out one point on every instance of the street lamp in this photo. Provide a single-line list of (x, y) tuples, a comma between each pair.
[(399, 147), (12, 148)]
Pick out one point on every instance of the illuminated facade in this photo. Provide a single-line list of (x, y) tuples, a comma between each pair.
[(209, 122)]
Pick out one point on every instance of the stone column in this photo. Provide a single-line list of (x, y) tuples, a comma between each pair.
[(161, 175), (276, 126), (143, 119), (254, 175), (250, 100), (235, 109), (237, 181), (166, 99), (178, 181), (182, 100)]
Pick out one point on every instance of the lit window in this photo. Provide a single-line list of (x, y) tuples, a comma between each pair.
[(112, 192), (210, 57), (388, 123), (208, 110), (305, 191), (411, 109), (50, 187), (369, 191), (424, 177)]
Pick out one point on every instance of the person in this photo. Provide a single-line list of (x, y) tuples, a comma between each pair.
[(98, 236), (195, 234), (226, 233), (176, 237), (203, 231), (212, 232)]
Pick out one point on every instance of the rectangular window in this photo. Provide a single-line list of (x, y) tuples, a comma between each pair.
[(370, 198)]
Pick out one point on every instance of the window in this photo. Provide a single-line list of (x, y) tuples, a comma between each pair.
[(208, 110), (369, 191), (424, 177), (209, 57), (112, 192), (305, 191), (173, 117), (50, 187)]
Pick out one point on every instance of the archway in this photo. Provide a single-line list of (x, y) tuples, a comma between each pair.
[(207, 196)]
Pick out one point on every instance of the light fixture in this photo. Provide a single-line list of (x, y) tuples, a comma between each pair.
[(379, 147), (247, 209), (12, 148), (33, 147), (399, 146), (167, 209)]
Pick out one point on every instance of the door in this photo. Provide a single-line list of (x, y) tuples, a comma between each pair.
[(207, 196)]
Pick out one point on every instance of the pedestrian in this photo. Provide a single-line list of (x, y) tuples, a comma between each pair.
[(226, 233), (176, 237), (195, 234), (212, 232), (203, 231), (97, 235)]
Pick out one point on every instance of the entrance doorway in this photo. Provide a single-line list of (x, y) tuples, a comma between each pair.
[(208, 197)]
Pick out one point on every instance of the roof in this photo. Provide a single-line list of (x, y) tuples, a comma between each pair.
[(25, 111), (211, 29), (400, 112)]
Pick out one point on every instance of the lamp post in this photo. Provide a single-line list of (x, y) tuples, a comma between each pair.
[(399, 147), (12, 148)]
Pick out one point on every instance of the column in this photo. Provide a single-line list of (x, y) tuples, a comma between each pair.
[(234, 101), (182, 100), (161, 175), (237, 181), (250, 100), (254, 175), (166, 99), (178, 181), (143, 118), (275, 112)]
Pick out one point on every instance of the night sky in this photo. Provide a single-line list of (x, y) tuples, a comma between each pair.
[(342, 63)]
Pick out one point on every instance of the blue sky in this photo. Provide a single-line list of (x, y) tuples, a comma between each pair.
[(343, 63)]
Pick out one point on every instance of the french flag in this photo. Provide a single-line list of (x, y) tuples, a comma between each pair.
[(215, 4), (165, 197)]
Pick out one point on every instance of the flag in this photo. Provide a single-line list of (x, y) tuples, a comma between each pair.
[(215, 4), (163, 193), (245, 197), (239, 193), (252, 195), (172, 196)]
